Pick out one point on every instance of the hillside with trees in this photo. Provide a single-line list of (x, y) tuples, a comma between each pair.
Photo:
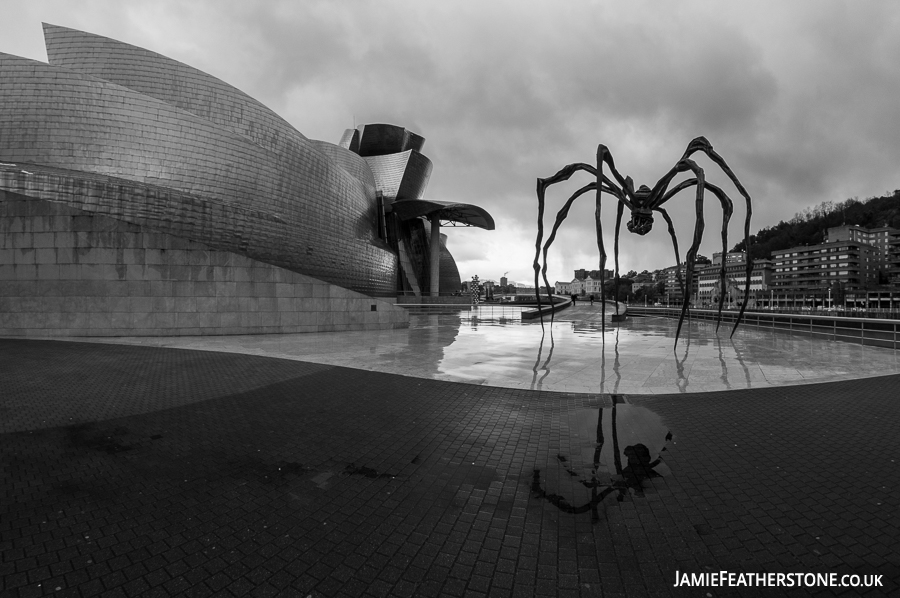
[(809, 226)]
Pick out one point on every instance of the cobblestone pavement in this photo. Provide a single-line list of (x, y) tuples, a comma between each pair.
[(148, 471)]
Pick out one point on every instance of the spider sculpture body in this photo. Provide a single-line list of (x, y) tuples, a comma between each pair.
[(642, 203)]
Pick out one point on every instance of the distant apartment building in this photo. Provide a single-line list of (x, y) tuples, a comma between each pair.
[(582, 274), (674, 287), (732, 257), (880, 238), (893, 266), (850, 264), (586, 286), (642, 284), (586, 282), (710, 286), (851, 258), (846, 269)]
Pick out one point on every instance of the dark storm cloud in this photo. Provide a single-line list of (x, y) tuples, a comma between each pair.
[(798, 97)]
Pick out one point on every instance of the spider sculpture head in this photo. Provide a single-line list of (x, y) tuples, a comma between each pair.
[(641, 216)]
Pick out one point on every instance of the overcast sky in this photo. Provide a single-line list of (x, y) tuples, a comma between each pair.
[(801, 98)]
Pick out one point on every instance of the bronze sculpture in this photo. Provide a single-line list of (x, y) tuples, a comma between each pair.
[(642, 203)]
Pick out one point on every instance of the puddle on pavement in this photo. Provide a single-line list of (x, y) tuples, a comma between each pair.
[(107, 439), (613, 452), (373, 474)]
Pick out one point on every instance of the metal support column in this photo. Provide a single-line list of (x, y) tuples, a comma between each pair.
[(434, 272)]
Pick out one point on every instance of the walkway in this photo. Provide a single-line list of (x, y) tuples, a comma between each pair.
[(151, 471)]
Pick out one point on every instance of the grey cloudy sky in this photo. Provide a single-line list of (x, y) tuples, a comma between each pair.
[(801, 98)]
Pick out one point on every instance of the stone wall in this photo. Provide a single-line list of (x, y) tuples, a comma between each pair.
[(68, 272)]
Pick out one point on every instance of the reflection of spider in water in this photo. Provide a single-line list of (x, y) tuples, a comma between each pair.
[(642, 203), (630, 478), (639, 468)]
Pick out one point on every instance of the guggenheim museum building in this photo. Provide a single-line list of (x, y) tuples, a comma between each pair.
[(141, 196)]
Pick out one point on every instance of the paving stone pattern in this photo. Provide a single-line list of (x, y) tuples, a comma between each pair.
[(195, 474)]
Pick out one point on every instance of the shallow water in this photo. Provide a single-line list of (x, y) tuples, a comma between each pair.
[(637, 356)]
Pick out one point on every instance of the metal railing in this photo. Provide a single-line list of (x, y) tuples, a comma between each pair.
[(877, 332)]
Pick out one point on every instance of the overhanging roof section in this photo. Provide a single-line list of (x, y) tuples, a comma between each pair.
[(460, 213)]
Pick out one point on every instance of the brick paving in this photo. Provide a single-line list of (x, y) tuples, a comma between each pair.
[(141, 471)]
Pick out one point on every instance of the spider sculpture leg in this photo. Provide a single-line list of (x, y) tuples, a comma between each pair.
[(542, 185), (701, 144), (727, 211), (671, 228), (749, 261), (560, 216), (691, 257), (620, 208), (656, 196), (599, 228), (602, 185), (626, 197)]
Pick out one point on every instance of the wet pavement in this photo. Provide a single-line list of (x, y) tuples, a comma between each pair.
[(576, 353), (153, 471)]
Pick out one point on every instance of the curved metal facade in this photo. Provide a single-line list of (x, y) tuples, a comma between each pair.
[(349, 161), (168, 80), (115, 130), (450, 280), (193, 154), (418, 238), (401, 176), (381, 139)]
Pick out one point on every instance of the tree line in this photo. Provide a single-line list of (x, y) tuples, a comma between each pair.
[(808, 227)]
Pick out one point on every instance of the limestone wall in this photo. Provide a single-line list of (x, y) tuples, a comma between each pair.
[(67, 272)]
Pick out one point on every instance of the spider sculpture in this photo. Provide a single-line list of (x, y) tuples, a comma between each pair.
[(642, 203)]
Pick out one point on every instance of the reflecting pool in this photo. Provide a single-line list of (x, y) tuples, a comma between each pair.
[(576, 353)]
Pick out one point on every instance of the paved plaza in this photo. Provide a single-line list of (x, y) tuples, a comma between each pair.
[(154, 471)]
